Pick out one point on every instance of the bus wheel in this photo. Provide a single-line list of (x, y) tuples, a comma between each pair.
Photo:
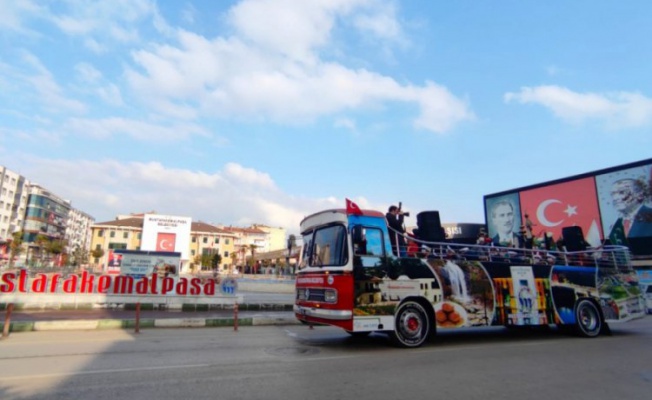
[(412, 326), (589, 320)]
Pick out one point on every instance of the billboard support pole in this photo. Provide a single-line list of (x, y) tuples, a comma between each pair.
[(7, 325), (235, 316), (137, 327)]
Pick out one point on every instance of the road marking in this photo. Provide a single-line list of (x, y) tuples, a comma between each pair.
[(101, 371)]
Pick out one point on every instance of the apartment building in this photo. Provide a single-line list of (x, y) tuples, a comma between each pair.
[(13, 202), (276, 237), (35, 210)]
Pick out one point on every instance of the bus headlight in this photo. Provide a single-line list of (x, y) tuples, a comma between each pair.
[(330, 296)]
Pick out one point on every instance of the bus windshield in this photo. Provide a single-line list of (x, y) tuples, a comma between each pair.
[(328, 247)]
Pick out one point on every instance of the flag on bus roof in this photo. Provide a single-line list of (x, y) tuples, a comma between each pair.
[(352, 208)]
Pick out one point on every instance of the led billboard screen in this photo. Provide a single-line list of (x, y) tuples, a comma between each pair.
[(611, 206)]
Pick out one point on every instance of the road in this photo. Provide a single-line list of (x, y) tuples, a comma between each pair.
[(299, 363)]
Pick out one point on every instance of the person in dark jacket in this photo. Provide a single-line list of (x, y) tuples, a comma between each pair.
[(395, 218)]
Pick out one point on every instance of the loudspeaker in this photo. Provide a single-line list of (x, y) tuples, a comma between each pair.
[(573, 238), (430, 228)]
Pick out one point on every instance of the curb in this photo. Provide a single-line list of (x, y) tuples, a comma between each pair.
[(104, 324), (182, 322), (189, 307)]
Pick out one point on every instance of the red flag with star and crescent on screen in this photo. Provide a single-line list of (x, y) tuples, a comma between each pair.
[(352, 208), (165, 241), (572, 203)]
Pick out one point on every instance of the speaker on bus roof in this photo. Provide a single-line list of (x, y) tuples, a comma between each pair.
[(430, 228), (574, 238)]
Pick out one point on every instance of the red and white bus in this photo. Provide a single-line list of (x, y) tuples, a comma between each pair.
[(348, 277)]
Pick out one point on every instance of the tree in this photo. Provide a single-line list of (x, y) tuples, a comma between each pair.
[(206, 260), (41, 241), (216, 259), (56, 247), (79, 256), (252, 248), (292, 243), (196, 262), (97, 254), (234, 259), (15, 247)]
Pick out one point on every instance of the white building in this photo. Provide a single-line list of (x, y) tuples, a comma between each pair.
[(13, 202), (78, 230)]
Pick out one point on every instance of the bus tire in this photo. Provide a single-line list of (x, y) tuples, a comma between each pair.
[(412, 326), (589, 319)]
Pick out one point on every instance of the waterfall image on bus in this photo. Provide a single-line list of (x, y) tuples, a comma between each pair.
[(349, 277)]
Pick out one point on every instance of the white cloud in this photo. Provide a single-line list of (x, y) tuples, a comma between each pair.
[(87, 72), (346, 123), (617, 110), (188, 14), (278, 74), (49, 92), (248, 176), (139, 130), (15, 12), (236, 195), (110, 94)]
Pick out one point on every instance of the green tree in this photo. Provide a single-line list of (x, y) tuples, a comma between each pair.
[(42, 242), (216, 259), (252, 248), (15, 247), (56, 247), (97, 254), (206, 259), (79, 256)]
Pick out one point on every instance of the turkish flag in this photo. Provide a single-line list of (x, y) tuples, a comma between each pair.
[(165, 241), (572, 203), (352, 208)]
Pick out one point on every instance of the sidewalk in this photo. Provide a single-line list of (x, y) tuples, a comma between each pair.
[(248, 314)]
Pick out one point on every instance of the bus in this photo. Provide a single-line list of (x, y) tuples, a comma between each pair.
[(348, 277)]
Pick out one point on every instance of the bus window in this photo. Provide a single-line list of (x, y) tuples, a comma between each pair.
[(329, 247), (306, 250), (374, 242)]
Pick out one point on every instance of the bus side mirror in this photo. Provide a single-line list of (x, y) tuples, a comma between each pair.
[(358, 235)]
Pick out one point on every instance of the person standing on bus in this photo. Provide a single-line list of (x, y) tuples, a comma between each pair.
[(394, 218)]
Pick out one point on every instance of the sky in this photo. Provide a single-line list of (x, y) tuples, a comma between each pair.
[(266, 111)]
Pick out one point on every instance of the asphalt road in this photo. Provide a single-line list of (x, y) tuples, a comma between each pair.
[(299, 363)]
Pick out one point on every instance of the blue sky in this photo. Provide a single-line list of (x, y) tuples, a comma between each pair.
[(265, 111)]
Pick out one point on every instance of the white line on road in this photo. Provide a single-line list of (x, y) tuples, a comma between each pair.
[(102, 371)]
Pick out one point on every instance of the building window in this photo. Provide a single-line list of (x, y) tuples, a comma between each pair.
[(140, 235), (192, 252), (125, 235), (100, 233), (194, 239), (217, 240), (226, 254), (98, 247), (205, 240), (226, 241), (112, 234)]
